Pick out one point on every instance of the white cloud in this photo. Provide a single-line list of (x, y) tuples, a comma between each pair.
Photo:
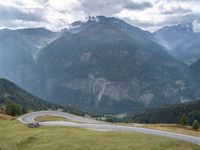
[(196, 25), (56, 14)]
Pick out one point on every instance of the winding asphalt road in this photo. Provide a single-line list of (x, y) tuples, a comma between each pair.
[(101, 126)]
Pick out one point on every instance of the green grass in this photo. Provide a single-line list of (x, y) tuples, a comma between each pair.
[(15, 136)]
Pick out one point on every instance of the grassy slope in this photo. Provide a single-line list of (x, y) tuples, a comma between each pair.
[(6, 117), (177, 128), (14, 135), (174, 128)]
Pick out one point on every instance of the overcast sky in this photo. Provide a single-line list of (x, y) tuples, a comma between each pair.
[(56, 14)]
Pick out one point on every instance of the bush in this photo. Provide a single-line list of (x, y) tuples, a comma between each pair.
[(195, 125)]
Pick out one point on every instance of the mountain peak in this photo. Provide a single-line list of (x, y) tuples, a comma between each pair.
[(185, 27), (92, 18), (80, 25), (105, 22)]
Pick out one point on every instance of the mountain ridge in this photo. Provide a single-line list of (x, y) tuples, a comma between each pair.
[(181, 41), (112, 60), (104, 65), (10, 91)]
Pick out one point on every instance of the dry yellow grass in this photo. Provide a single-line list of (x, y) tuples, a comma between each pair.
[(174, 128), (51, 118), (6, 117), (167, 127)]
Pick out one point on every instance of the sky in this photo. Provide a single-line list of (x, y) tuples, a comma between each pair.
[(149, 15)]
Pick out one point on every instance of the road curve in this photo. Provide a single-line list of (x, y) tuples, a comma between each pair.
[(101, 126)]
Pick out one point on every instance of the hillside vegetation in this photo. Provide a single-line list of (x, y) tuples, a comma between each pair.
[(11, 92), (170, 113), (20, 101)]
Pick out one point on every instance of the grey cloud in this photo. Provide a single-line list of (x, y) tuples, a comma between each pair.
[(196, 25), (180, 19), (38, 16), (12, 13), (176, 10), (110, 7), (171, 20), (137, 6), (138, 23)]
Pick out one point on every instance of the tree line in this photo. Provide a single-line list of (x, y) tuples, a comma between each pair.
[(14, 109), (184, 113)]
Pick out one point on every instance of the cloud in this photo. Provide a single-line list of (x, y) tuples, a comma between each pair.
[(12, 13), (53, 14), (110, 7), (176, 10), (137, 6), (196, 25)]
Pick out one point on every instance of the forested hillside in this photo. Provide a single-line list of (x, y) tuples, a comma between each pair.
[(170, 113), (11, 92)]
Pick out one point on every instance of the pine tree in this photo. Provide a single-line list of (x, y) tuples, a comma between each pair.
[(184, 120), (24, 111), (195, 125), (12, 108)]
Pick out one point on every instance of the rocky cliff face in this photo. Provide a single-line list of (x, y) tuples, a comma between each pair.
[(107, 66), (100, 65)]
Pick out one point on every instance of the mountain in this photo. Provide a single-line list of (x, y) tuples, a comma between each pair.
[(10, 91), (170, 113), (16, 61), (195, 71), (38, 37), (105, 65), (18, 49), (181, 41)]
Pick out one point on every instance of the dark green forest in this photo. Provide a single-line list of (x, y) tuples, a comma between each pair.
[(169, 113), (11, 92), (17, 101)]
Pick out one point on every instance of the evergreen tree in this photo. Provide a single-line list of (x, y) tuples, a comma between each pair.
[(195, 125), (24, 110), (184, 120), (12, 108)]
